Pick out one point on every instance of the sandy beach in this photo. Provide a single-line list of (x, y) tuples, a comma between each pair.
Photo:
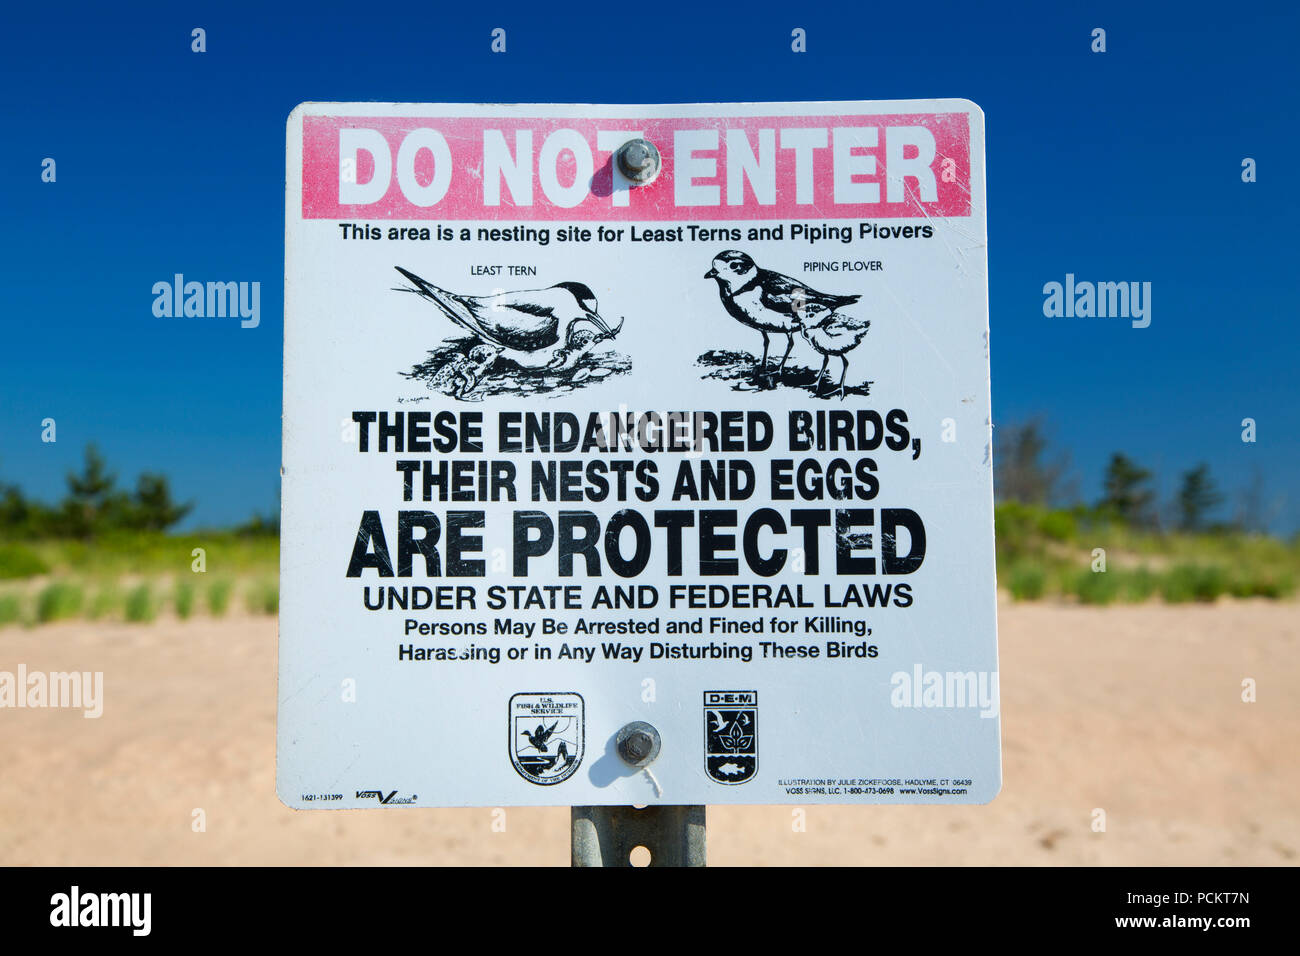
[(1135, 710)]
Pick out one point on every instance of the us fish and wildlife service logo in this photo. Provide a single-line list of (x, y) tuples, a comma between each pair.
[(731, 735), (547, 732)]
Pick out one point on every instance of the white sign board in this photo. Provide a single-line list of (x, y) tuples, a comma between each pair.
[(562, 452)]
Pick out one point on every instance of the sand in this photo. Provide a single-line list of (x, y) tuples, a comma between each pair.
[(1136, 711)]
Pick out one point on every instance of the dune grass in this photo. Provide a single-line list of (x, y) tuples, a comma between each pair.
[(219, 591), (136, 576), (137, 601), (1026, 581), (59, 600), (183, 598), (1097, 587), (1140, 584), (10, 609), (120, 554), (140, 604), (107, 602), (1061, 554), (19, 561), (263, 598), (1041, 554)]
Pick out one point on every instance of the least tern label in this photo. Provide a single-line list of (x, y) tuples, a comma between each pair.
[(722, 424)]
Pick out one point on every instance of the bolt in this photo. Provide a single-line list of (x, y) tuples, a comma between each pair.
[(638, 746), (638, 743), (638, 160)]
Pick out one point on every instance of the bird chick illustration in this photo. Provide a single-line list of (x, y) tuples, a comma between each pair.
[(467, 375), (768, 301), (831, 333), (533, 328)]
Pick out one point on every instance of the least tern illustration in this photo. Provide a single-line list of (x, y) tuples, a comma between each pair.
[(548, 328)]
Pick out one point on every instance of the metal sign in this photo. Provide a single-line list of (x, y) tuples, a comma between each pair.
[(636, 455)]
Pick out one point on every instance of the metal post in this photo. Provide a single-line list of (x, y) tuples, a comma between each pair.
[(606, 836)]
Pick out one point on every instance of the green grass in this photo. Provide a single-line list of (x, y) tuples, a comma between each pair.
[(1058, 526), (148, 557), (1263, 583), (264, 598), (1098, 587), (140, 553), (1041, 554), (183, 598), (10, 609), (19, 561), (1191, 582), (1140, 584), (1026, 581), (1046, 553), (140, 605), (106, 602), (59, 600), (219, 596)]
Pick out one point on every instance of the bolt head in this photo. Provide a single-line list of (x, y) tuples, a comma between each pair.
[(638, 743), (638, 160), (637, 156)]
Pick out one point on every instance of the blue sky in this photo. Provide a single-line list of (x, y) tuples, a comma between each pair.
[(1117, 166)]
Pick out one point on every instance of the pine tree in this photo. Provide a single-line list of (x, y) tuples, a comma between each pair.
[(1021, 473), (153, 508), (1127, 491), (15, 511), (93, 503), (1198, 496)]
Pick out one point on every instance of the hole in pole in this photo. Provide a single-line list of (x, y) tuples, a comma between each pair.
[(640, 856)]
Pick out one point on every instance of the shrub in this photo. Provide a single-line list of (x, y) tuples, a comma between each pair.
[(1058, 525), (10, 609), (184, 599), (1261, 582), (139, 604), (20, 561), (1013, 526), (58, 600), (105, 602), (1191, 582), (1027, 581), (1097, 587), (219, 597), (264, 598), (1140, 584)]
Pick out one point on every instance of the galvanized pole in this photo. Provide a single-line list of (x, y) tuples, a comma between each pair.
[(606, 836)]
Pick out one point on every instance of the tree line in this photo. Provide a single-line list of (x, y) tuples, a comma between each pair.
[(1024, 472), (93, 505)]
